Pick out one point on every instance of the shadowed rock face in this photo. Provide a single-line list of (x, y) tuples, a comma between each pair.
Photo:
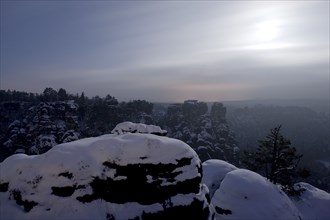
[(128, 176), (137, 187)]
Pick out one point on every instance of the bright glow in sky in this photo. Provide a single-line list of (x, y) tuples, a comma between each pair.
[(267, 31), (168, 51)]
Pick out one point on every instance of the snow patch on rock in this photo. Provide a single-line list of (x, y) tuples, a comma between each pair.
[(130, 127)]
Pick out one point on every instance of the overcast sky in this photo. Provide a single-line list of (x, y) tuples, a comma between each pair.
[(168, 51)]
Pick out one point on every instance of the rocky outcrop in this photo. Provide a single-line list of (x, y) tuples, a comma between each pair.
[(207, 132), (127, 176), (130, 127), (214, 171), (244, 194)]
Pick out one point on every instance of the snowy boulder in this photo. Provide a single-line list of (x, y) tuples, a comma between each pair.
[(312, 202), (246, 195), (130, 127), (213, 173), (129, 176)]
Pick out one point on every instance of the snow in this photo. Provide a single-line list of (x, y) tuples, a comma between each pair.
[(79, 162), (192, 101), (101, 148), (235, 193), (46, 141), (244, 194), (8, 143), (313, 203), (15, 123), (236, 149), (72, 105), (130, 127), (69, 136), (213, 173)]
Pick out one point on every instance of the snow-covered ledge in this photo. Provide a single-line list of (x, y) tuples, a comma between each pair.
[(130, 127)]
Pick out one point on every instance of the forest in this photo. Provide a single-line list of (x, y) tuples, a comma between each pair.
[(34, 123)]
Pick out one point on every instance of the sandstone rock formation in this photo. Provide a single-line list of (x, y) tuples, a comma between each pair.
[(127, 176)]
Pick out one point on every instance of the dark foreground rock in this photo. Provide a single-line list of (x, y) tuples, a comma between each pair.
[(127, 176)]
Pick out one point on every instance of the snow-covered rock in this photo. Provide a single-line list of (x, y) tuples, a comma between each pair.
[(312, 202), (126, 176), (213, 173), (244, 194), (130, 127)]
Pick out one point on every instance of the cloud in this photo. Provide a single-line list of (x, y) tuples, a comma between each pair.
[(169, 50)]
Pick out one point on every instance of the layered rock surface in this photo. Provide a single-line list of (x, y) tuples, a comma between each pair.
[(127, 176)]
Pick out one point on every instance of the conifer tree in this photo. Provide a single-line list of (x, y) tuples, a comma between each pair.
[(275, 158)]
